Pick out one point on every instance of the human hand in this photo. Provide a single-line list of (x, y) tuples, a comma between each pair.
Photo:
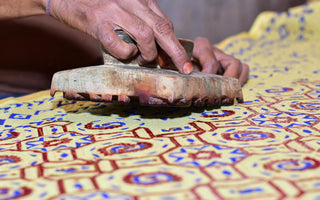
[(143, 20), (209, 59)]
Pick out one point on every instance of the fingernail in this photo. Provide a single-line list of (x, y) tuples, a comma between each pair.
[(187, 68)]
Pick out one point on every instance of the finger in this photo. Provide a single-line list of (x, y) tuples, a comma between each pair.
[(244, 76), (232, 67), (141, 33), (145, 41), (153, 4), (115, 46), (203, 52), (167, 40)]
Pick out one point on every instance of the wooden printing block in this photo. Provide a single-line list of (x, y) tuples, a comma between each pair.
[(126, 82)]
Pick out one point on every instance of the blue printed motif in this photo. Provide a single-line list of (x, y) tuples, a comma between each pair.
[(209, 155), (4, 161), (56, 142), (294, 165), (11, 194), (19, 116), (250, 136), (7, 135), (285, 120), (153, 178)]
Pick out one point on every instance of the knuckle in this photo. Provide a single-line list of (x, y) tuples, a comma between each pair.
[(245, 68), (126, 53), (237, 66), (163, 26), (112, 4), (236, 62), (108, 41), (150, 58), (144, 32), (146, 43), (113, 47), (150, 54), (152, 2)]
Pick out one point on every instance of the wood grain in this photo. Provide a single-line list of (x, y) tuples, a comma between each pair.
[(146, 86)]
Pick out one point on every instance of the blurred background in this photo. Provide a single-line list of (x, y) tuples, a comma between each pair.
[(218, 19), (33, 48)]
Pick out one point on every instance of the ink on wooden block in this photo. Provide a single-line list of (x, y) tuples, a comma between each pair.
[(126, 81)]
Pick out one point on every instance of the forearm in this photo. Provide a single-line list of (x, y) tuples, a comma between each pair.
[(21, 8)]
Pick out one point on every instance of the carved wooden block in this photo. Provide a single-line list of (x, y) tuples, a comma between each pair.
[(148, 86)]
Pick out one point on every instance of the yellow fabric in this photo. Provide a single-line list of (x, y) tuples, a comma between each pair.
[(266, 148)]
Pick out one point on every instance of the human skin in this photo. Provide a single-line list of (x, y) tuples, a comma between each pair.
[(209, 59), (143, 20)]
